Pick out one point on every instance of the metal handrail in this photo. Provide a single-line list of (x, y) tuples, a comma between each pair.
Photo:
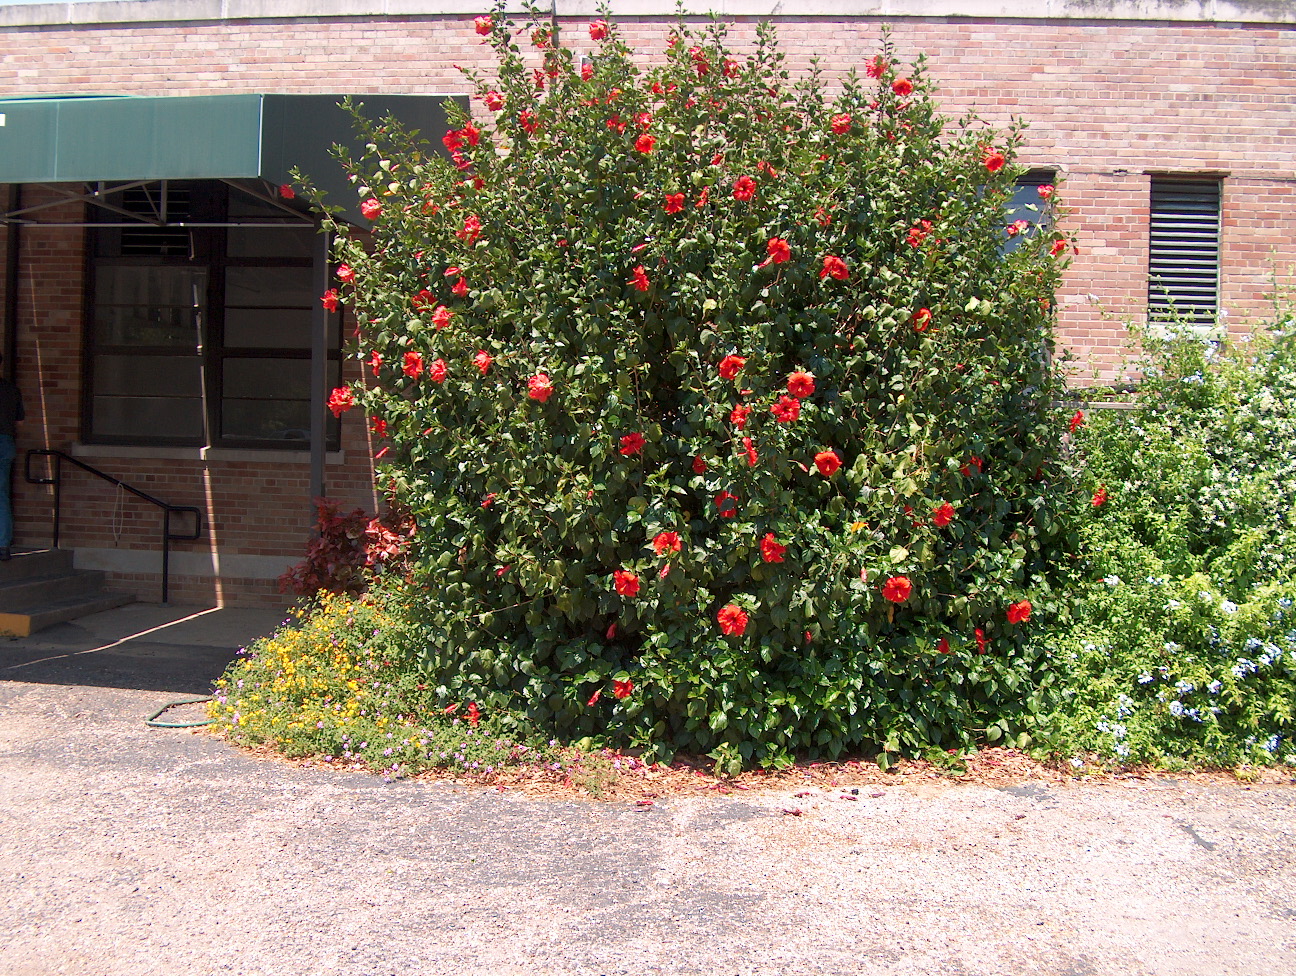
[(167, 535)]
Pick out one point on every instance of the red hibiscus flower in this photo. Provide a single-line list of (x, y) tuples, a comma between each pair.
[(623, 689), (732, 619), (483, 25), (834, 267), (460, 287), (340, 400), (875, 67), (744, 188), (674, 203), (1058, 246), (441, 316), (738, 415), (643, 120), (664, 542), (921, 319), (943, 515), (598, 30), (483, 361), (286, 191), (639, 279), (528, 122), (489, 500), (539, 387), (993, 159), (593, 700), (632, 444), (897, 589), (422, 300), (375, 361), (703, 198), (371, 209), (786, 409), (437, 371), (413, 365), (1046, 191), (902, 87), (645, 143), (801, 384), (730, 68), (770, 549), (330, 300), (379, 426), (972, 462), (1017, 227), (699, 464), (779, 251), (981, 641), (494, 100), (749, 449), (471, 229), (587, 72), (918, 233), (827, 462), (1100, 498), (345, 273), (730, 366), (452, 140), (727, 504), (1077, 421), (942, 646), (1019, 612), (474, 713), (841, 124), (627, 583)]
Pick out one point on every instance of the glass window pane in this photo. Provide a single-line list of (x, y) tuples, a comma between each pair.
[(143, 325), (267, 379), (276, 420), (268, 328), (148, 376), (259, 287), (148, 417), (157, 285), (270, 242)]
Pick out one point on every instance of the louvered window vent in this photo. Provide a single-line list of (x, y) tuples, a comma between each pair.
[(1183, 251)]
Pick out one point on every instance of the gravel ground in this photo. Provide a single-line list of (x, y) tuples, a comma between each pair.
[(128, 850)]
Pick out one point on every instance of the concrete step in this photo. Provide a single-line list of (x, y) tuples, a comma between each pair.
[(36, 562), (22, 594), (58, 611)]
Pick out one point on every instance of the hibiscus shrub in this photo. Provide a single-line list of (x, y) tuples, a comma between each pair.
[(723, 406)]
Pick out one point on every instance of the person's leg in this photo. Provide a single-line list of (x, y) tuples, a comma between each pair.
[(7, 452)]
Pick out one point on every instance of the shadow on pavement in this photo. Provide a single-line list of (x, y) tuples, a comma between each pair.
[(140, 646)]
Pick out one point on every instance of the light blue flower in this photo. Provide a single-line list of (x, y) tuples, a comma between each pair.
[(1176, 709)]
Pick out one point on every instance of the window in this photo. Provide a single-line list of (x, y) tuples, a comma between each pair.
[(1026, 204), (199, 315), (1183, 250)]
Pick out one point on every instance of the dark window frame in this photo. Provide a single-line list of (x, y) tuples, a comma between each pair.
[(209, 254)]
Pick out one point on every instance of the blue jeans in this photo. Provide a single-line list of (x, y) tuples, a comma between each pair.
[(7, 454)]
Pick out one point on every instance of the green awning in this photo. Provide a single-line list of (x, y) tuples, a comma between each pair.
[(111, 138)]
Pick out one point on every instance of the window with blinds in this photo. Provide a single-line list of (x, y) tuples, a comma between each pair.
[(1184, 251)]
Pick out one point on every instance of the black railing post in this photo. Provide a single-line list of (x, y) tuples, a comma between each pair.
[(166, 555), (58, 485)]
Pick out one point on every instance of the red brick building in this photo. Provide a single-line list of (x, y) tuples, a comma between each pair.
[(145, 334)]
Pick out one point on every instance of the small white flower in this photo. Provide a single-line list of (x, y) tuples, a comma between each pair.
[(1176, 709), (1145, 678), (1077, 763), (1228, 606), (1215, 687), (1112, 580)]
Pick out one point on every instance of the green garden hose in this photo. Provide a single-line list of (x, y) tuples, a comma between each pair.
[(153, 723)]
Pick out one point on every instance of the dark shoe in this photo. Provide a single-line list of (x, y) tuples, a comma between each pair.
[(5, 555)]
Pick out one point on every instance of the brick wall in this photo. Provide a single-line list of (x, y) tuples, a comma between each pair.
[(1109, 102)]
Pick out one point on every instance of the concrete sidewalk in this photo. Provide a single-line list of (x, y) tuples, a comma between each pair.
[(140, 645), (130, 851)]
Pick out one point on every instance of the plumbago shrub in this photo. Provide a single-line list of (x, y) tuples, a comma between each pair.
[(722, 406), (1183, 639)]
